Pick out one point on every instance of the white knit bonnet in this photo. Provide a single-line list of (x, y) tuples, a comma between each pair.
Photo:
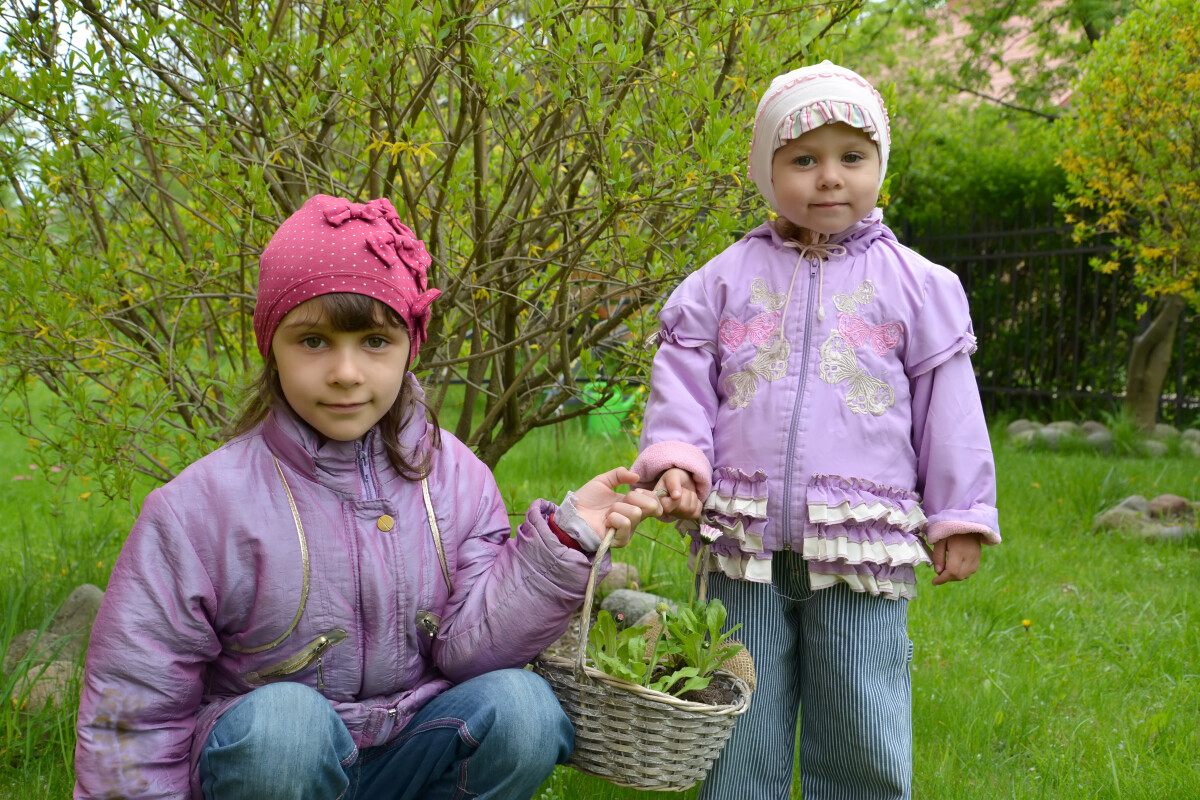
[(807, 98)]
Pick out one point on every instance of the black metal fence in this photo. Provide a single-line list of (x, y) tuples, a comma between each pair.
[(1054, 333)]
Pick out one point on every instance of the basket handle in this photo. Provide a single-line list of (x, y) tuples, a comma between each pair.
[(585, 614)]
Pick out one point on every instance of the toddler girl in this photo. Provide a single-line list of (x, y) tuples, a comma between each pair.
[(331, 604), (813, 404)]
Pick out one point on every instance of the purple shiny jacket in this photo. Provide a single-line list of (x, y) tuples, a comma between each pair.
[(829, 408), (279, 557)]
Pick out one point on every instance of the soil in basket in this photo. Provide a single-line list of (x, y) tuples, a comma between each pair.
[(717, 693)]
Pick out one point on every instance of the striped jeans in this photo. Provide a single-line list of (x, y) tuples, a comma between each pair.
[(839, 657)]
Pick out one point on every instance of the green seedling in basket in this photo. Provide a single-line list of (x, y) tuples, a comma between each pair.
[(682, 661)]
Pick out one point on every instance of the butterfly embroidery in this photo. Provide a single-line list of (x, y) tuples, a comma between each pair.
[(761, 294), (757, 330), (770, 364), (882, 338), (848, 303), (864, 394)]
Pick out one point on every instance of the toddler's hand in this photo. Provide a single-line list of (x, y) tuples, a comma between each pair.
[(956, 558), (603, 508), (680, 500)]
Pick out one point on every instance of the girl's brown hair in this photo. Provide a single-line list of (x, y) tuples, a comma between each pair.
[(793, 232), (352, 312)]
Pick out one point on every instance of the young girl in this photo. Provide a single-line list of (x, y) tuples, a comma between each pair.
[(813, 404), (331, 605)]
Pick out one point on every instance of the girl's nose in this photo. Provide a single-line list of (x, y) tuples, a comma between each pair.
[(829, 177), (345, 370)]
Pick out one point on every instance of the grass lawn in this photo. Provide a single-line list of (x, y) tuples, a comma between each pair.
[(1069, 667)]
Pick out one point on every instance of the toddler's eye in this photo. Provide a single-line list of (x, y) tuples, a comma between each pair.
[(852, 158), (804, 161)]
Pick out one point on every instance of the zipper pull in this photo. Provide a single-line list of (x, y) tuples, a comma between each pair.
[(321, 672)]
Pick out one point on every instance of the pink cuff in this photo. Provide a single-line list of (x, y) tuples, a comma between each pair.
[(662, 456), (944, 530)]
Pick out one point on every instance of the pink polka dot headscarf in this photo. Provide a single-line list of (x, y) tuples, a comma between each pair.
[(332, 245)]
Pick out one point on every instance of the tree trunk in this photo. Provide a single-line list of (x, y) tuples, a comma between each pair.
[(1150, 360)]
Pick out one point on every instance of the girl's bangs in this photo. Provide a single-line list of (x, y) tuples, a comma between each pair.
[(355, 312)]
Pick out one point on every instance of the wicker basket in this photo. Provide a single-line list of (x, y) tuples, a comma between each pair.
[(633, 736)]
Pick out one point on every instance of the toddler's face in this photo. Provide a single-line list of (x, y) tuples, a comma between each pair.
[(828, 179), (339, 382)]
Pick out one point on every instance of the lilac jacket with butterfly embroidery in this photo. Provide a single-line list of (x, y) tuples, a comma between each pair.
[(849, 434)]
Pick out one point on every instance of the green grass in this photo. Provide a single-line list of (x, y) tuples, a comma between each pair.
[(1099, 697)]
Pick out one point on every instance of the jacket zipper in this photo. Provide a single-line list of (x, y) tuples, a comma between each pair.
[(364, 471), (791, 448), (313, 653)]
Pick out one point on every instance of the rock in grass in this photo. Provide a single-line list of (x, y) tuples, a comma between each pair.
[(1171, 506), (78, 611), (1191, 435), (621, 576), (44, 684), (1135, 503), (1021, 426), (1164, 432), (628, 605), (42, 646), (1153, 448), (1100, 441), (1065, 426), (1120, 519), (1092, 426)]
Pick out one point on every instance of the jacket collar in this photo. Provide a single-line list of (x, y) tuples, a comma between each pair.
[(340, 465), (856, 239)]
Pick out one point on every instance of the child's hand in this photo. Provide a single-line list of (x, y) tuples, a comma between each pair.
[(680, 500), (956, 558), (603, 508)]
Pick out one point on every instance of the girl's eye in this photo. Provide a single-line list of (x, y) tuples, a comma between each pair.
[(852, 158), (312, 342), (376, 342), (804, 161)]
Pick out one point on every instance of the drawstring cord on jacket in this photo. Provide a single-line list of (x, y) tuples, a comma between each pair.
[(821, 250)]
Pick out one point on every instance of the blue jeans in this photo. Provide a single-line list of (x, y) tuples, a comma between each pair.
[(495, 736), (839, 658)]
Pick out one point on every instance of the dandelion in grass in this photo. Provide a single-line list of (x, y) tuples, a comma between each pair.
[(1026, 623)]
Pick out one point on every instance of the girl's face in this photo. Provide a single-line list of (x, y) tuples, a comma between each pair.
[(339, 382), (828, 179)]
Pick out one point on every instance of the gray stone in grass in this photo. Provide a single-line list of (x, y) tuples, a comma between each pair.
[(1164, 432), (1100, 441), (1190, 448), (44, 684), (1120, 519), (1153, 448), (1166, 533), (1022, 425), (1171, 506), (1065, 426), (45, 646), (1191, 435), (1049, 437), (1135, 503), (1025, 438), (1092, 426), (78, 611), (621, 576), (632, 605)]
